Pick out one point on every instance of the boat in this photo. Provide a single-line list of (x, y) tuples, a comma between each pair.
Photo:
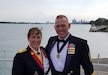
[(101, 28)]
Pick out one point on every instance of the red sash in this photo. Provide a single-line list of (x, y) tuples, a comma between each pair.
[(40, 63)]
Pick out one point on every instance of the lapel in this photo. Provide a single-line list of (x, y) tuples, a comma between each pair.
[(52, 44), (70, 53), (34, 64)]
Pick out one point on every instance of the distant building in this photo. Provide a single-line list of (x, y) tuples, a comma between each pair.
[(74, 21)]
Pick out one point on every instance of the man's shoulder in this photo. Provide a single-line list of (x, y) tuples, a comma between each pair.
[(53, 37), (78, 38)]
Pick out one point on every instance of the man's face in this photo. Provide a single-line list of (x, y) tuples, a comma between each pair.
[(61, 27)]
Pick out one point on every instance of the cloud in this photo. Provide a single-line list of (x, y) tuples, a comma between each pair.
[(43, 10)]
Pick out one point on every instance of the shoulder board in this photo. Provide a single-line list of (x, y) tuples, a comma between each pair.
[(22, 51)]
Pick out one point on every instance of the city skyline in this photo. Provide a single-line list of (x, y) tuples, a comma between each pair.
[(47, 10)]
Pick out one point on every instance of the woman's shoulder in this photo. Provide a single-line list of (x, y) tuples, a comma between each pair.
[(22, 50), (20, 54)]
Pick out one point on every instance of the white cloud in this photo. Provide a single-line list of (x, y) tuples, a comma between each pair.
[(44, 10)]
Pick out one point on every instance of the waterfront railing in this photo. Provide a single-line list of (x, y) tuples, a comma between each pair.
[(6, 68)]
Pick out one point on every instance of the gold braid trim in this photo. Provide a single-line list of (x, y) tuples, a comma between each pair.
[(93, 73), (22, 51)]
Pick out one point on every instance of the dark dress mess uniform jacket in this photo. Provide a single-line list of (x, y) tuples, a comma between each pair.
[(73, 61), (24, 64)]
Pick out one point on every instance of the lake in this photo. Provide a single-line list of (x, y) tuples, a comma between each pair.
[(13, 37)]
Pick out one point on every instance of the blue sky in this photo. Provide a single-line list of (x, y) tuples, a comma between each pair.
[(47, 10)]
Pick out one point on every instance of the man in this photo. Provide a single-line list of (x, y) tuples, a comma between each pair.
[(66, 52)]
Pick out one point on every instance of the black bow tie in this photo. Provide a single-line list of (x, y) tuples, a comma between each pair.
[(38, 53), (60, 40)]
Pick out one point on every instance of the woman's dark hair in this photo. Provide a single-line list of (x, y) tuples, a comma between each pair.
[(32, 30)]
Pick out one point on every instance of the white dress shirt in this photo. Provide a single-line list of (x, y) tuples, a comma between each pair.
[(59, 63)]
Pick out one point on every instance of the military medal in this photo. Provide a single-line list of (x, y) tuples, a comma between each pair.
[(61, 48), (58, 55), (71, 48)]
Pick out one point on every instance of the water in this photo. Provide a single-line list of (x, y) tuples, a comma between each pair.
[(14, 37)]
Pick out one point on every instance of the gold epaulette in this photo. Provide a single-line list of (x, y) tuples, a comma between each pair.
[(22, 51), (93, 73)]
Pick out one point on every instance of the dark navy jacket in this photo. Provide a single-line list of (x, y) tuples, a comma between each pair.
[(24, 64), (73, 61)]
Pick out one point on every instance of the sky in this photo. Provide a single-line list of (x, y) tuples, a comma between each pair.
[(47, 10)]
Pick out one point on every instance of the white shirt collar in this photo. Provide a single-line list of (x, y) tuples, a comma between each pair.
[(65, 37), (34, 49)]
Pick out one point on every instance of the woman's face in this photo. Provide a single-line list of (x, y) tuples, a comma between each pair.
[(35, 39)]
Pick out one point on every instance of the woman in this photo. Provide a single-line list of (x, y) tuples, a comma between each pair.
[(31, 60)]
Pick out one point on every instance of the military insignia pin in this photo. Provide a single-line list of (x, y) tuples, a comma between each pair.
[(71, 48)]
